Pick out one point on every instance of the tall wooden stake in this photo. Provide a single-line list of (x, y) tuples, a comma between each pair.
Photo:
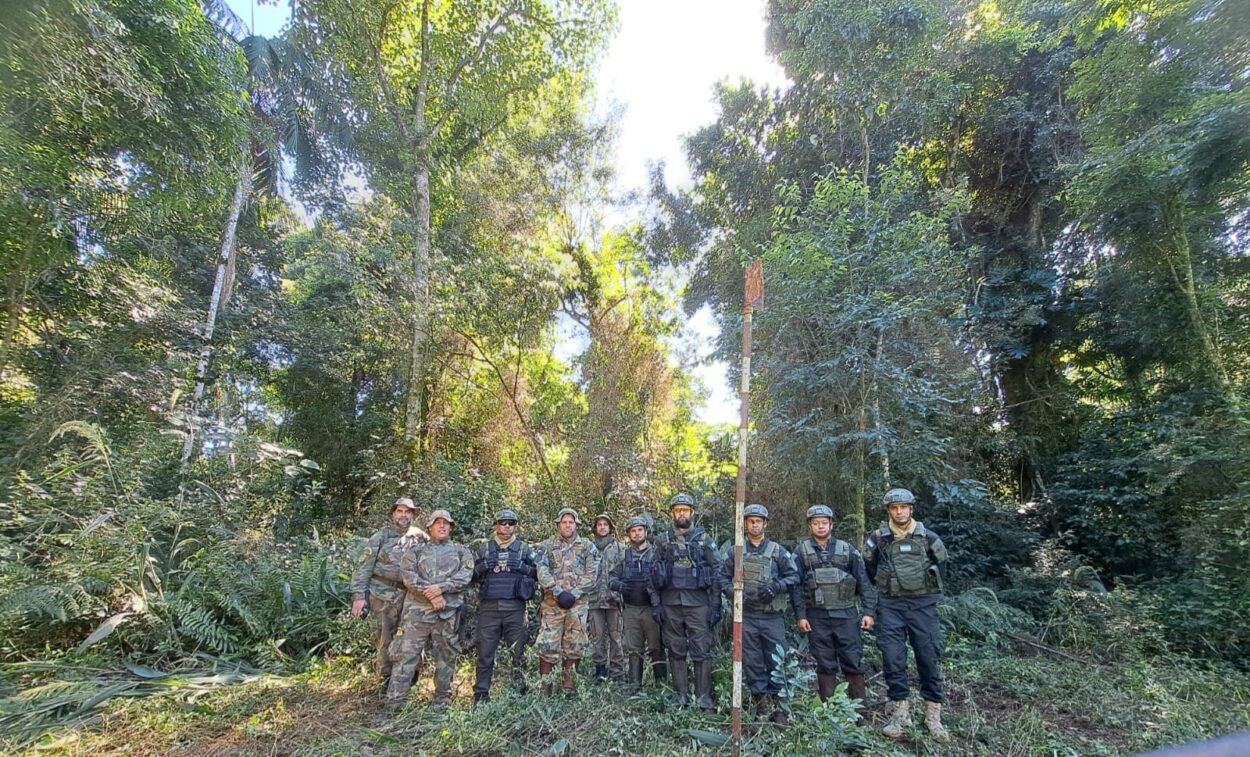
[(754, 290)]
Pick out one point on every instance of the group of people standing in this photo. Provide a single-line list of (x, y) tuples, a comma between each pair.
[(658, 600)]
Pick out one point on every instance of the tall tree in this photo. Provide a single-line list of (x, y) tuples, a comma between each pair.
[(422, 85)]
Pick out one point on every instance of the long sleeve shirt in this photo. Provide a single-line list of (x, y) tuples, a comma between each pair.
[(784, 572)]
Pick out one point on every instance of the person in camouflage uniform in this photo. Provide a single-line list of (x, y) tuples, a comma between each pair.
[(770, 581), (640, 617), (567, 568), (686, 573), (505, 570), (435, 576), (605, 604), (377, 588)]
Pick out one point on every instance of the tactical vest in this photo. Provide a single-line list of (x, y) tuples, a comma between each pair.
[(828, 580), (905, 568), (686, 569), (634, 575), (505, 584), (758, 569)]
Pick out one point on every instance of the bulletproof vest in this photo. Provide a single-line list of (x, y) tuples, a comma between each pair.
[(757, 571), (635, 575), (904, 569), (688, 566), (505, 584), (828, 581)]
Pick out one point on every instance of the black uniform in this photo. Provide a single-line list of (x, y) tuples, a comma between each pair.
[(770, 580), (832, 576), (908, 574), (506, 579), (686, 572)]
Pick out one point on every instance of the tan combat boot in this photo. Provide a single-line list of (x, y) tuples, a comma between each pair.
[(900, 718), (933, 722)]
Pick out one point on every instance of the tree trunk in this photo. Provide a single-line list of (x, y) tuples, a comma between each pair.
[(224, 261), (414, 420)]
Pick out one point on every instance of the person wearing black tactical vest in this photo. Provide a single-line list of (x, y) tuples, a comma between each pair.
[(906, 560), (504, 570), (770, 580), (630, 577), (833, 576), (686, 573)]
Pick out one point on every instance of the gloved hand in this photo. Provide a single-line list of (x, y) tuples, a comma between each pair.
[(716, 612), (615, 584), (565, 600), (480, 568), (657, 612), (768, 591)]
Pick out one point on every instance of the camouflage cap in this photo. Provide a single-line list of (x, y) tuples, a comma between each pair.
[(608, 518), (569, 511), (637, 520), (440, 513), (403, 502)]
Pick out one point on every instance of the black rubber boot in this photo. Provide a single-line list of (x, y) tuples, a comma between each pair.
[(703, 684), (825, 684), (681, 680), (635, 672), (659, 668)]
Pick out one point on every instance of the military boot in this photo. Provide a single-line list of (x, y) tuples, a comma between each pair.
[(825, 684), (856, 689), (635, 672), (703, 684), (570, 676), (659, 668), (900, 718), (933, 722), (544, 671), (681, 680), (480, 697)]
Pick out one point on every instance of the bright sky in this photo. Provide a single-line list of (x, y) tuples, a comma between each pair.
[(660, 68)]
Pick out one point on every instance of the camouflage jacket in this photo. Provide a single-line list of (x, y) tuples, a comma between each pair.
[(378, 571), (611, 555), (567, 565), (448, 564)]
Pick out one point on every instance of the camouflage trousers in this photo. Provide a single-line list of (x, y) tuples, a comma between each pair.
[(561, 633), (605, 634), (419, 631), (383, 623)]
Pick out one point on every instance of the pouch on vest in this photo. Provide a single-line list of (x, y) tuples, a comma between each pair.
[(834, 588), (910, 574), (757, 572)]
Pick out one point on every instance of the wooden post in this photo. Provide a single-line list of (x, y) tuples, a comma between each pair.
[(754, 298)]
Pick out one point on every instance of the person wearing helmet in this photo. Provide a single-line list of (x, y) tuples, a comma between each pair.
[(686, 572), (770, 581), (377, 588), (605, 604), (905, 560), (833, 577), (506, 572), (435, 576), (567, 568), (642, 612)]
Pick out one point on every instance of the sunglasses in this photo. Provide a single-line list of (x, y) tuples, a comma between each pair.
[(505, 522)]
